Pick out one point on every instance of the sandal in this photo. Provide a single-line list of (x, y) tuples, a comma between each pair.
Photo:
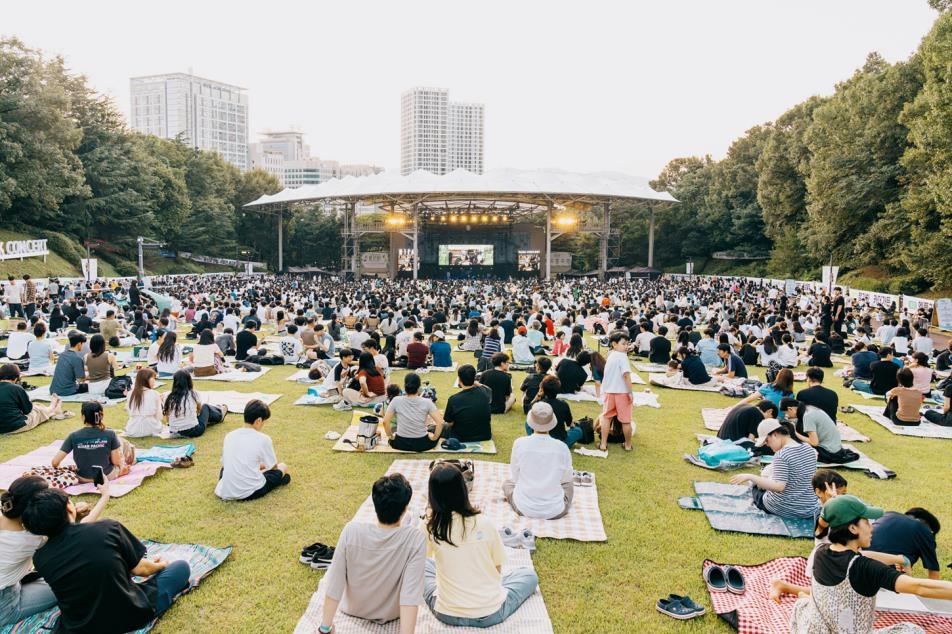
[(183, 463)]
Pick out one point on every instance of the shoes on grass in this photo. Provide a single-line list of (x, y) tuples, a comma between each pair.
[(343, 406), (318, 556), (678, 607)]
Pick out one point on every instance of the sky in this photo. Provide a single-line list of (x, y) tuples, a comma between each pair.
[(583, 86)]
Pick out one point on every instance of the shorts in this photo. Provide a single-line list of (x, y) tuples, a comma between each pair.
[(619, 406)]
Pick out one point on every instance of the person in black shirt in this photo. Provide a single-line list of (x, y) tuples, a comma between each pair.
[(838, 309), (499, 381), (741, 422), (90, 568), (660, 347), (84, 323), (692, 368), (910, 534), (820, 352), (817, 395), (944, 417), (509, 329), (468, 412), (733, 367), (245, 340), (884, 372), (530, 385), (565, 428), (571, 372)]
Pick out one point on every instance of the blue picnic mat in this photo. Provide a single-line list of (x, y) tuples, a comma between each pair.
[(202, 560), (730, 507), (164, 453)]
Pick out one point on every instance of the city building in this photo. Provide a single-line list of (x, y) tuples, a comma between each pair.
[(207, 114), (438, 135)]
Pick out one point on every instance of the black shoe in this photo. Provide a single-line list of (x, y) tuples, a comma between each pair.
[(735, 580), (322, 558), (689, 603), (308, 552), (675, 609), (716, 579)]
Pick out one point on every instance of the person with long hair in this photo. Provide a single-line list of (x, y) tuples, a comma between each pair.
[(101, 365), (20, 599), (782, 387), (144, 405), (207, 358), (184, 410), (492, 343), (463, 582), (370, 384), (169, 355), (94, 447), (575, 347)]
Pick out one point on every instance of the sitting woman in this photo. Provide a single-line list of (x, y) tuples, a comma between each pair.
[(472, 337), (921, 374), (492, 343), (565, 429), (782, 387), (540, 469), (441, 351), (766, 352), (101, 365), (521, 348), (559, 347), (184, 411), (206, 357), (463, 582), (145, 407), (371, 386), (787, 352), (598, 371), (536, 338), (819, 352), (17, 412), (846, 581), (904, 400), (168, 356), (693, 370), (40, 351), (413, 413), (575, 347), (571, 372), (785, 487), (943, 417), (94, 447), (22, 599)]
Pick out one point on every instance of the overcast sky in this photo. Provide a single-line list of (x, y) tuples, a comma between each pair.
[(584, 86)]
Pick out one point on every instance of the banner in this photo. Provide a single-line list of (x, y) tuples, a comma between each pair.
[(943, 311), (689, 268), (830, 274), (90, 268), (13, 249), (790, 287)]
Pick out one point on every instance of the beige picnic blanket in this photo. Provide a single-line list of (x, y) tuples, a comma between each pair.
[(235, 376), (348, 442), (531, 618), (236, 401), (714, 418), (922, 430)]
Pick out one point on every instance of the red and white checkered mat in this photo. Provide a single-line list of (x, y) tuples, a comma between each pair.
[(757, 614)]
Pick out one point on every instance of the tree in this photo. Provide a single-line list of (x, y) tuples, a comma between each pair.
[(314, 238)]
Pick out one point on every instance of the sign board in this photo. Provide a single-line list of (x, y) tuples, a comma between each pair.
[(19, 249), (830, 274), (943, 311), (90, 269), (561, 261), (790, 287), (374, 261), (689, 268)]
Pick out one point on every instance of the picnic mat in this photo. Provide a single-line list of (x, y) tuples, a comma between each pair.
[(583, 522), (645, 399), (754, 613), (922, 430), (581, 395), (675, 383), (236, 401), (235, 376), (651, 368), (348, 441), (201, 559), (301, 377), (637, 380), (164, 453), (47, 371), (714, 418), (43, 394), (730, 507), (531, 617), (864, 463), (14, 468)]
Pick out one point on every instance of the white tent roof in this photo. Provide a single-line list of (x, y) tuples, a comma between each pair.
[(459, 183)]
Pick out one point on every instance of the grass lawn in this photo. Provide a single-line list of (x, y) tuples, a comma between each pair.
[(653, 547)]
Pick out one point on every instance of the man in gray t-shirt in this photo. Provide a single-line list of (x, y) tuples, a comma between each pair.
[(377, 569), (827, 435)]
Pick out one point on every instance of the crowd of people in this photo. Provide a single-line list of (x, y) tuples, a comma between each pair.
[(351, 336)]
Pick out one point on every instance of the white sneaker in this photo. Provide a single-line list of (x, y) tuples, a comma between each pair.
[(343, 406)]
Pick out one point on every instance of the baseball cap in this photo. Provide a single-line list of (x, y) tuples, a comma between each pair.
[(439, 334), (765, 428), (541, 417), (845, 509)]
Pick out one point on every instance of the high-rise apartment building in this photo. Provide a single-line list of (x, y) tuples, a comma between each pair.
[(287, 157), (209, 115), (438, 135)]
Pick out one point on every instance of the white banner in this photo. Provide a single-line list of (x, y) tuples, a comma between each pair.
[(14, 249), (830, 274), (90, 268), (689, 268), (943, 310), (790, 287)]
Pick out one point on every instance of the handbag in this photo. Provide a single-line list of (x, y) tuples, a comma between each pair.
[(587, 425), (467, 467)]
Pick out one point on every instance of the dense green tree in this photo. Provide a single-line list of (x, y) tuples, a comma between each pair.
[(314, 238)]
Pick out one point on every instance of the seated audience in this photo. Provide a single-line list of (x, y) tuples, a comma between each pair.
[(184, 410), (540, 469), (96, 448), (565, 429), (412, 413), (904, 400), (468, 413), (169, 355), (883, 372), (371, 386), (144, 404), (40, 350), (817, 395), (819, 353), (207, 358), (417, 352), (530, 384), (733, 368), (911, 534), (101, 365), (499, 381), (815, 428), (69, 377), (250, 469), (441, 351), (17, 412), (659, 350), (742, 420), (571, 372), (18, 343)]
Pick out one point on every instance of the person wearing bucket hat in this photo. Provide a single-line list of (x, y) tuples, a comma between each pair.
[(786, 489), (540, 469), (846, 581)]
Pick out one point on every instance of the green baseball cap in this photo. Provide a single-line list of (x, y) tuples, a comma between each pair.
[(845, 509)]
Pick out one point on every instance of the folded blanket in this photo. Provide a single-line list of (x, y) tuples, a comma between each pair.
[(164, 453)]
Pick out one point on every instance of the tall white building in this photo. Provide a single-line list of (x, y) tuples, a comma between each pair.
[(438, 135), (209, 115)]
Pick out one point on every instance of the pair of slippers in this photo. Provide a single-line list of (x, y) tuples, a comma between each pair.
[(725, 579), (183, 462), (522, 539), (679, 607), (318, 556), (583, 478)]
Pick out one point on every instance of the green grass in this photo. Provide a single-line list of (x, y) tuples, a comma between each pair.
[(653, 547)]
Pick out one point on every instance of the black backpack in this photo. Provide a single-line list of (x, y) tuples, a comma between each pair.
[(118, 387), (588, 430)]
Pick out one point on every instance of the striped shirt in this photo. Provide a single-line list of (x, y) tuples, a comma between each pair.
[(795, 466), (491, 346)]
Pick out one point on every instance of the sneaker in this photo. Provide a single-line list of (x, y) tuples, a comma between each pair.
[(343, 406), (675, 609), (510, 539), (322, 558), (528, 540), (308, 552), (688, 602)]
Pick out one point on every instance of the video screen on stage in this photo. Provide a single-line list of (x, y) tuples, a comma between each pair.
[(405, 260), (466, 255), (529, 260)]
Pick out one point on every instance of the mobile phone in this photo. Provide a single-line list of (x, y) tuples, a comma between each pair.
[(99, 477)]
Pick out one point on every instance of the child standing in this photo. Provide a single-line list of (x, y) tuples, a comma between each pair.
[(616, 388)]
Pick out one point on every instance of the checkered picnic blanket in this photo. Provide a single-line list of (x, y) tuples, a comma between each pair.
[(583, 522), (754, 613), (922, 430), (531, 618), (714, 418)]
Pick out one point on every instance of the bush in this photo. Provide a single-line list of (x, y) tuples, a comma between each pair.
[(126, 269), (65, 246)]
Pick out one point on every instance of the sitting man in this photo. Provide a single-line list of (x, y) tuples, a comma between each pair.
[(742, 421), (292, 348), (250, 469), (417, 352), (246, 340), (468, 412), (115, 335), (540, 468), (377, 570), (533, 381), (660, 347), (90, 568), (18, 343), (910, 534), (884, 374), (522, 348), (733, 367), (499, 381), (69, 377), (571, 372), (441, 351), (817, 395)]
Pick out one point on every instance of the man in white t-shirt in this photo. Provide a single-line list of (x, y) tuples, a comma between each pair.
[(540, 469), (13, 296), (292, 348), (250, 469), (616, 390), (19, 342)]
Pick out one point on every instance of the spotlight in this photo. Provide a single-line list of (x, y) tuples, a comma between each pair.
[(453, 218), (485, 218), (464, 218), (495, 218)]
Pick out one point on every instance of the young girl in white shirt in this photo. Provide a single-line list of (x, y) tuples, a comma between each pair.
[(145, 407)]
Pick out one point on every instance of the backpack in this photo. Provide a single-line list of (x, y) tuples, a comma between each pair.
[(588, 430), (118, 387), (615, 432), (723, 451)]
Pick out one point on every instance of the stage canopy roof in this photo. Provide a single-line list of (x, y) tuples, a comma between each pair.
[(526, 187)]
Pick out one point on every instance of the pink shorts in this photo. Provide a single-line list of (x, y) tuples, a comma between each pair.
[(619, 406)]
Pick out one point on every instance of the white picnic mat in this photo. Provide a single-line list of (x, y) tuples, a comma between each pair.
[(236, 401), (43, 394), (583, 522), (308, 399), (637, 380), (301, 377), (714, 418), (677, 382), (235, 376), (651, 368), (922, 430), (531, 618)]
